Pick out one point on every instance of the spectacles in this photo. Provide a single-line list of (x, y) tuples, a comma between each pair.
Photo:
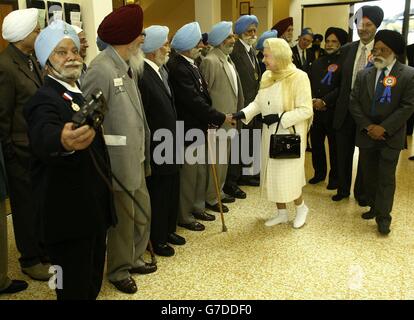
[(65, 54)]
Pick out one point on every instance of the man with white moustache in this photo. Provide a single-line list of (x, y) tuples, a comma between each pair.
[(195, 110), (226, 94), (115, 71), (77, 206), (381, 103), (158, 100), (247, 65)]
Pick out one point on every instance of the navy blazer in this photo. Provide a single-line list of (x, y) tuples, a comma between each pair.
[(160, 112), (69, 192), (192, 100)]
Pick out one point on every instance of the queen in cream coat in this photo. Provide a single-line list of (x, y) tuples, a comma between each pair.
[(284, 88)]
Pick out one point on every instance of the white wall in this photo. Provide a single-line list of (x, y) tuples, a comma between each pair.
[(296, 10), (92, 12)]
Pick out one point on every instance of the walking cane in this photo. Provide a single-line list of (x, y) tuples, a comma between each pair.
[(218, 193)]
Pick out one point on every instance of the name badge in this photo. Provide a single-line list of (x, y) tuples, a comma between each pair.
[(118, 82)]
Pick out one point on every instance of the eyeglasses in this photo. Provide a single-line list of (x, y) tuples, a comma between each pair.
[(65, 54)]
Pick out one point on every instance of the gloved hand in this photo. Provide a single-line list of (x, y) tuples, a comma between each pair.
[(239, 115), (270, 119)]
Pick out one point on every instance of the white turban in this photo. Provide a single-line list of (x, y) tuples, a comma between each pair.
[(18, 24)]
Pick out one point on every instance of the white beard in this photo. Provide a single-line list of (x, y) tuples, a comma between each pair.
[(137, 62), (383, 63)]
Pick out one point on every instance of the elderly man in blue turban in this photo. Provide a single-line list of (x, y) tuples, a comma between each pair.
[(226, 94), (77, 204), (158, 100), (245, 59), (194, 108), (20, 77), (260, 46)]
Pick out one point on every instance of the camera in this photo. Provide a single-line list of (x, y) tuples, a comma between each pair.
[(92, 112)]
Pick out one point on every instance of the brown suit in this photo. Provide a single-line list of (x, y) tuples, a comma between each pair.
[(17, 84)]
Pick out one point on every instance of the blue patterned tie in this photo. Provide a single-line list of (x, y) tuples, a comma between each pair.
[(379, 90)]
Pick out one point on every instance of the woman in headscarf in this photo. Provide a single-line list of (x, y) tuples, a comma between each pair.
[(284, 89)]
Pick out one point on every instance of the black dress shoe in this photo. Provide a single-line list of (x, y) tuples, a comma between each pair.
[(127, 285), (145, 269), (411, 158), (248, 181), (339, 197), (235, 192), (174, 238), (216, 207), (384, 228), (316, 180), (204, 216), (193, 226), (164, 250), (15, 286), (368, 215), (228, 199)]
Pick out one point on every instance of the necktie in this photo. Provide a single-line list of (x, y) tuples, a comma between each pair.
[(130, 72), (379, 90), (362, 62), (252, 57), (164, 76), (303, 57)]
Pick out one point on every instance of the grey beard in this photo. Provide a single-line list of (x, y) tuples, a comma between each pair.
[(66, 76), (137, 63)]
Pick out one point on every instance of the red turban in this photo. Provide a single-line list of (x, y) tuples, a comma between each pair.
[(122, 26), (282, 26)]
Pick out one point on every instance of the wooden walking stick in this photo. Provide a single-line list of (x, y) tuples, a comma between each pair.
[(218, 193)]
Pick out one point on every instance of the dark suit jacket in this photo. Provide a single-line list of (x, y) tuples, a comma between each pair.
[(192, 100), (310, 58), (160, 113), (392, 116), (17, 85), (72, 197), (410, 55), (323, 90), (246, 72), (349, 52)]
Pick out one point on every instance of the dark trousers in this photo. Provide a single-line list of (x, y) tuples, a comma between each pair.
[(164, 193), (345, 140), (82, 262), (322, 128), (379, 165), (410, 125), (26, 218)]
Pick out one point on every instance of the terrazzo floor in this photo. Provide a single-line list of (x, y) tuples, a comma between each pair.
[(336, 255)]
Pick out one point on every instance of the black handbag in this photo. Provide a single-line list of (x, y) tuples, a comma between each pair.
[(284, 146)]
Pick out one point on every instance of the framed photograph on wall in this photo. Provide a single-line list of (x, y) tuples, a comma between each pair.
[(244, 8)]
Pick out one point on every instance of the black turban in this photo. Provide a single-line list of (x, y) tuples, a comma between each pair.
[(341, 34), (373, 13), (392, 39), (318, 37)]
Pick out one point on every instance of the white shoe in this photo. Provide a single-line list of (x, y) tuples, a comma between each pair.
[(301, 214), (278, 219)]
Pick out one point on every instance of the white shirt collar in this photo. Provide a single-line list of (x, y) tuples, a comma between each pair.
[(246, 45), (389, 68), (73, 89), (154, 66), (188, 59)]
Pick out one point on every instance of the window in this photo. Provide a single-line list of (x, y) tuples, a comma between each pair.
[(393, 15)]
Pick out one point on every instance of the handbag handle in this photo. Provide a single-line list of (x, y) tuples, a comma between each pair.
[(280, 120)]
